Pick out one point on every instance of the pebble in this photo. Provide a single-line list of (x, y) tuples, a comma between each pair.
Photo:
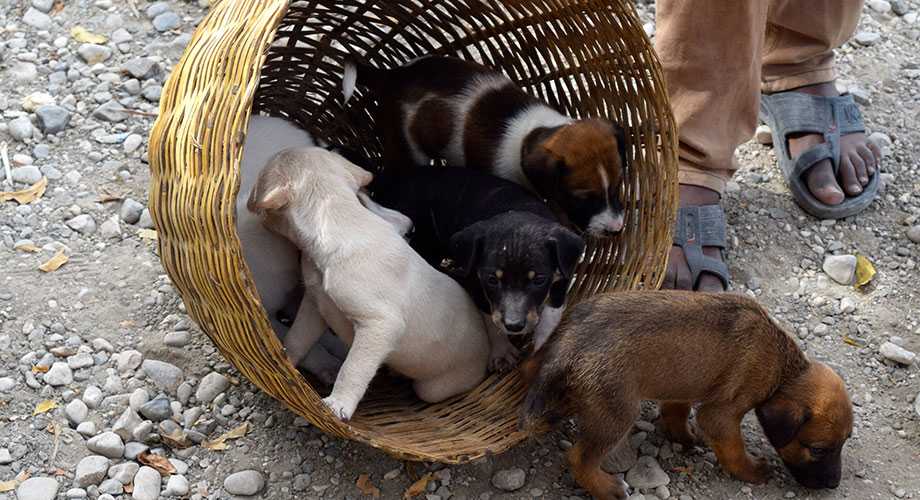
[(146, 221), (107, 444), (141, 68), (181, 467), (866, 38), (177, 339), (152, 93), (897, 353), (157, 410), (245, 483), (147, 484), (128, 361), (87, 428), (110, 111), (764, 135), (126, 424), (24, 72), (7, 384), (900, 7), (916, 406), (76, 494), (166, 21), (52, 119), (38, 488), (882, 6), (132, 142), (37, 19), (210, 386), (111, 228), (509, 479), (138, 398), (620, 459), (92, 396), (176, 486), (76, 411), (91, 470), (133, 449), (111, 487), (847, 305), (130, 211), (913, 234), (43, 5), (59, 374), (29, 174), (83, 224), (840, 268), (647, 474), (124, 472), (164, 375), (35, 100), (156, 9), (20, 128), (5, 457), (92, 53)]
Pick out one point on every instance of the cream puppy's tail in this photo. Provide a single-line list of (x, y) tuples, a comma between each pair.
[(355, 72), (350, 80)]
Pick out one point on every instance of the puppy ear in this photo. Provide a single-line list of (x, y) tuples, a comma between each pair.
[(781, 419), (567, 248), (272, 191), (542, 166), (621, 144), (361, 176), (465, 249)]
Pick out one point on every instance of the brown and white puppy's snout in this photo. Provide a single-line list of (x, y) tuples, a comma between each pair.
[(808, 421), (580, 167)]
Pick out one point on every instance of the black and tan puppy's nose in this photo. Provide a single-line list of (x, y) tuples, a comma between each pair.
[(515, 326)]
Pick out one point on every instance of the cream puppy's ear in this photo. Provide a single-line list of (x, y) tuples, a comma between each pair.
[(361, 176), (272, 191)]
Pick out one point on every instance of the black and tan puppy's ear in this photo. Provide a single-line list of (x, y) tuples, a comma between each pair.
[(465, 249), (567, 248), (273, 191), (782, 418)]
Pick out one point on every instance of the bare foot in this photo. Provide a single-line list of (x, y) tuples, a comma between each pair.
[(678, 275), (859, 159)]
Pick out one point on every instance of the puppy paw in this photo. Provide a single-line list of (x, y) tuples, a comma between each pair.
[(341, 410), (504, 358), (757, 473)]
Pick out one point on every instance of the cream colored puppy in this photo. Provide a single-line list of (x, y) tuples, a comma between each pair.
[(368, 284)]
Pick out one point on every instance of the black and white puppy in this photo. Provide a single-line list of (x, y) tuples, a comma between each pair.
[(501, 243)]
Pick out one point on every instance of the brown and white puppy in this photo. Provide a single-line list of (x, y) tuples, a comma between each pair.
[(721, 351), (442, 108)]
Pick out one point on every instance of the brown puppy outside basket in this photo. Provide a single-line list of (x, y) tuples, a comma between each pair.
[(587, 58)]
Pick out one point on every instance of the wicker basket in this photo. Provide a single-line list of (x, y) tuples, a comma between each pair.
[(586, 57)]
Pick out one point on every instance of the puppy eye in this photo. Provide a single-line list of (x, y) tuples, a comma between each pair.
[(817, 452), (492, 280), (582, 193), (539, 280)]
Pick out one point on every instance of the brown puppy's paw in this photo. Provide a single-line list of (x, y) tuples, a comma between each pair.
[(682, 435), (504, 358), (757, 472)]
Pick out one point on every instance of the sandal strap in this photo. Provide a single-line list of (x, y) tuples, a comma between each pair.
[(698, 227)]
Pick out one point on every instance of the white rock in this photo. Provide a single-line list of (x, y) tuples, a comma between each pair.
[(91, 470), (138, 398), (146, 221), (764, 135), (882, 6), (130, 211), (147, 483), (510, 479), (32, 101), (5, 457), (126, 424), (29, 174), (866, 38), (80, 360), (176, 486), (76, 411), (847, 305), (897, 353), (92, 396), (164, 375), (107, 444), (37, 488), (177, 339), (83, 224), (913, 234), (132, 142), (647, 474), (841, 268), (111, 228), (59, 374), (87, 428), (124, 472), (21, 128), (210, 386), (94, 54), (37, 19), (244, 483)]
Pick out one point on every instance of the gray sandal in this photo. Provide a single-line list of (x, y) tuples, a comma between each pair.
[(698, 227), (789, 113)]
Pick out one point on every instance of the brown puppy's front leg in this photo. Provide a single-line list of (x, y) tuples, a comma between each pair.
[(674, 422), (600, 432), (721, 427)]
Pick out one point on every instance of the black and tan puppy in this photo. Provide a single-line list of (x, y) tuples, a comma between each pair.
[(721, 351), (444, 108), (505, 246)]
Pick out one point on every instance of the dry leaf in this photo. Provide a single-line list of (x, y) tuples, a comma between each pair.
[(45, 406), (418, 487), (28, 247), (40, 369), (220, 443), (58, 6), (13, 483), (147, 234), (27, 195), (161, 464), (82, 35), (367, 488), (177, 440), (129, 488), (865, 271), (54, 263)]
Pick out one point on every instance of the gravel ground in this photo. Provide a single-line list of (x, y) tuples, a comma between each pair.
[(101, 369)]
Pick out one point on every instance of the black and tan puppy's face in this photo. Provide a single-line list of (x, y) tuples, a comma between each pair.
[(808, 423), (521, 265)]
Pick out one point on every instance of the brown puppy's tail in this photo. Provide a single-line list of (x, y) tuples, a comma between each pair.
[(356, 71), (544, 398)]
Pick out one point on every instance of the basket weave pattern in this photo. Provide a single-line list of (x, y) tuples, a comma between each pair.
[(587, 58)]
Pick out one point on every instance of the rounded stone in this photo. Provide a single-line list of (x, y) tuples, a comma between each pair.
[(509, 479), (37, 488), (244, 483), (91, 470), (147, 484)]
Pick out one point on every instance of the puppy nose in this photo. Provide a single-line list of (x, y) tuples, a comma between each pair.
[(516, 326)]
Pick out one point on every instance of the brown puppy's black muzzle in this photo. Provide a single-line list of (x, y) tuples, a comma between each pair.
[(818, 475)]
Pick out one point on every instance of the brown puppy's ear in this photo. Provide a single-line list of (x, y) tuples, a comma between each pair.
[(465, 249), (272, 191), (781, 419), (567, 248)]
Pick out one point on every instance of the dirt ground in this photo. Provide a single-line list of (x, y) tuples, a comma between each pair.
[(113, 297)]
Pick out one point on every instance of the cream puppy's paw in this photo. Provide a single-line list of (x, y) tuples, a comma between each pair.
[(341, 410)]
